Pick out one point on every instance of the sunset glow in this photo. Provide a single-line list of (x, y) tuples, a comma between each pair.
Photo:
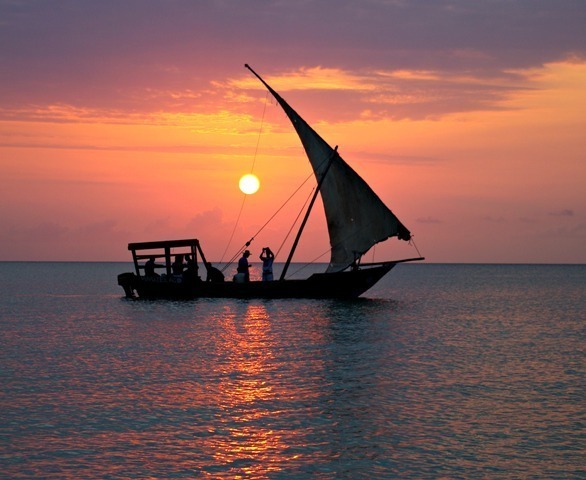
[(478, 150)]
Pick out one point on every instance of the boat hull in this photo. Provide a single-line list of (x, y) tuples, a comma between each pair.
[(347, 284)]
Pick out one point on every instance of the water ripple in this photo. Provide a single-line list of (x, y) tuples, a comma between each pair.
[(465, 373)]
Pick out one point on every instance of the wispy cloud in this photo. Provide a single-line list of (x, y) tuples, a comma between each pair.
[(308, 78), (428, 220), (492, 219), (565, 212), (401, 93)]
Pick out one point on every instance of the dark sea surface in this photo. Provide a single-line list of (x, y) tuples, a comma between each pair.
[(442, 372)]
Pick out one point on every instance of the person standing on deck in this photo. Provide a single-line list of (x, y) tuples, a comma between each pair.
[(267, 257), (243, 265)]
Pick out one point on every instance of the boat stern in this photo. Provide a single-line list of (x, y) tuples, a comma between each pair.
[(128, 282)]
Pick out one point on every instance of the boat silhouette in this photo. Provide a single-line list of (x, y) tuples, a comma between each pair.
[(357, 219)]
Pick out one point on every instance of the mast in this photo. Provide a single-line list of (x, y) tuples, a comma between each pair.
[(302, 226)]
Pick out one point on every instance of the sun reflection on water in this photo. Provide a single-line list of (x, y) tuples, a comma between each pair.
[(466, 382), (246, 443)]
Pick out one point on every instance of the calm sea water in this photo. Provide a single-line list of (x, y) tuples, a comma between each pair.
[(444, 371)]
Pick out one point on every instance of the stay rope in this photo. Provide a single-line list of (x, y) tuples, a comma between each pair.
[(260, 131), (304, 266), (251, 170), (295, 221), (268, 221), (412, 242)]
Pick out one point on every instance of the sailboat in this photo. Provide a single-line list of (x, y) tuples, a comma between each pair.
[(357, 219)]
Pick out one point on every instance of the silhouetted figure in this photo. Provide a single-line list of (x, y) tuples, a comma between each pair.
[(191, 272), (243, 265), (214, 275), (267, 257), (149, 268), (178, 265)]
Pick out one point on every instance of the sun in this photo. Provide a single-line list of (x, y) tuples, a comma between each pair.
[(249, 184)]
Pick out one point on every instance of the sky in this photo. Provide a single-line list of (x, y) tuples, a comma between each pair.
[(133, 121)]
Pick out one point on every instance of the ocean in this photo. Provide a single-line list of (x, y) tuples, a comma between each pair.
[(440, 372)]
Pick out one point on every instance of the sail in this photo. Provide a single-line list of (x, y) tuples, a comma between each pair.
[(357, 218)]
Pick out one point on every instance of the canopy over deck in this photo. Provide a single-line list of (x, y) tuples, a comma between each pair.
[(162, 249)]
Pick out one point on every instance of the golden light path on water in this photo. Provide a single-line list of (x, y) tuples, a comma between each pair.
[(258, 439)]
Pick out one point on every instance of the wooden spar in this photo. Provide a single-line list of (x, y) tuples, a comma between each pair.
[(334, 153), (302, 226), (263, 82)]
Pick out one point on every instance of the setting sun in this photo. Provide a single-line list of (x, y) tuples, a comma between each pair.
[(249, 184)]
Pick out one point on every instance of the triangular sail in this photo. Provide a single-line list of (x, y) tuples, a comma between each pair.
[(357, 218)]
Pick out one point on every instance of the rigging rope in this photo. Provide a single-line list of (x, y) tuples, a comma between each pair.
[(251, 170), (233, 231), (273, 216), (267, 222), (260, 131), (229, 262), (295, 221), (411, 242), (309, 263), (280, 208)]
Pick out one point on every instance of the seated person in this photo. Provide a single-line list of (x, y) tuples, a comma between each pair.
[(149, 268), (191, 272), (214, 275), (178, 265)]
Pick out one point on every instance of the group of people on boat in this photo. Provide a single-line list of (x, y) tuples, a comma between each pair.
[(242, 271), (189, 270), (186, 271)]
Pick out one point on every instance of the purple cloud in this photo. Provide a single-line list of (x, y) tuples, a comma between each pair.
[(565, 212), (108, 53)]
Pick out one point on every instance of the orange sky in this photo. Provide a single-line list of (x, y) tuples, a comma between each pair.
[(481, 164)]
